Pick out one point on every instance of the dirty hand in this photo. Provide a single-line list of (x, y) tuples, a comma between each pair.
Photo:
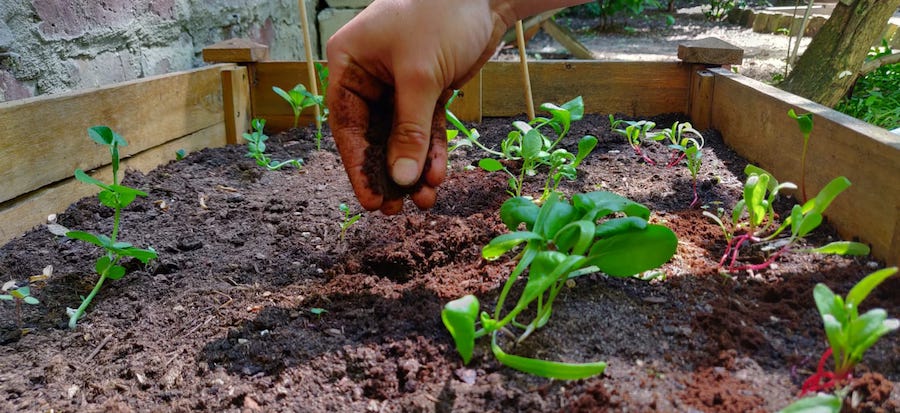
[(391, 69)]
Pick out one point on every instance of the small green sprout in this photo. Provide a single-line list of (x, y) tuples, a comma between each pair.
[(849, 334), (180, 154), (805, 122), (598, 231), (471, 135), (318, 311), (256, 148), (820, 403), (686, 144), (299, 98), (18, 295), (348, 220), (322, 73), (117, 197), (636, 132), (754, 217)]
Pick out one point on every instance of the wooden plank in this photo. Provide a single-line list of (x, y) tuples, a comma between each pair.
[(236, 51), (630, 88), (752, 118), (32, 209), (702, 84), (47, 136), (236, 98), (710, 51)]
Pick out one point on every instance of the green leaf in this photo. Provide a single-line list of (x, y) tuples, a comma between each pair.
[(85, 236), (554, 214), (505, 242), (834, 331), (105, 136), (864, 326), (546, 268), (805, 121), (634, 252), (490, 165), (31, 300), (84, 177), (548, 369), (575, 108), (622, 225), (861, 290), (824, 198), (284, 95), (576, 237), (532, 144), (515, 211), (459, 317), (810, 221), (21, 292), (820, 403), (843, 248), (824, 298), (142, 255), (602, 203), (102, 265), (116, 272), (585, 146)]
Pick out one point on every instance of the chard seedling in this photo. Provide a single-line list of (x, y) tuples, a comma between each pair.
[(805, 122), (680, 136), (754, 217), (849, 334), (256, 148), (18, 295), (117, 197), (598, 231), (347, 220), (513, 183), (636, 132)]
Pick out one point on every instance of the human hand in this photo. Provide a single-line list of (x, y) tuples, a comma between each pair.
[(391, 70)]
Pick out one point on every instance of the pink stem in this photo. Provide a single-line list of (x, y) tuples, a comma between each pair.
[(696, 197), (638, 150), (675, 161)]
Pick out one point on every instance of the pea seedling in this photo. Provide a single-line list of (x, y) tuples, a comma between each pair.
[(849, 334), (18, 295), (117, 197), (256, 148), (471, 135), (760, 191), (598, 231), (348, 220), (299, 98)]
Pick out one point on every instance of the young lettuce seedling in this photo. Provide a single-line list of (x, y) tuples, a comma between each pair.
[(256, 148), (849, 334), (598, 231), (117, 197)]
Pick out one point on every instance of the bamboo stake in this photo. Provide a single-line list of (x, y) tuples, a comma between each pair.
[(526, 79), (310, 65)]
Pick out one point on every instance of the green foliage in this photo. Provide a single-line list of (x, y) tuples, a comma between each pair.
[(470, 135), (850, 334), (117, 197), (256, 148), (300, 98), (180, 154), (597, 231), (820, 403), (348, 220), (18, 295), (534, 144), (635, 132), (876, 96), (718, 9), (607, 10)]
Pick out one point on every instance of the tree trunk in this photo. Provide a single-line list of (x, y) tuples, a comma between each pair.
[(830, 65)]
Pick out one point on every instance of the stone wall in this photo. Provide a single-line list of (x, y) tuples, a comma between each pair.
[(52, 46)]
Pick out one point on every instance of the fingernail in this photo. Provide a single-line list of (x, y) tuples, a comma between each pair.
[(405, 171)]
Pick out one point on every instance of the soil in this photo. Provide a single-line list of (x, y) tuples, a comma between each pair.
[(223, 320)]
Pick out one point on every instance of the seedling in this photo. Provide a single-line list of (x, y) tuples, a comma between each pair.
[(636, 132), (471, 135), (299, 98), (348, 220), (18, 295), (805, 122), (754, 216), (117, 197), (256, 148), (534, 148), (820, 403), (513, 183), (180, 154), (322, 74), (598, 231), (849, 334), (680, 136)]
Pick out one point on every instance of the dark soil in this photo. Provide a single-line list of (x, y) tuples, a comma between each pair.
[(222, 320)]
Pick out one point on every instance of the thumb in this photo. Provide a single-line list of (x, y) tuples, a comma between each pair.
[(411, 133)]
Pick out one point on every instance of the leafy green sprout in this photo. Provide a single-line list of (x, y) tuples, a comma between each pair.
[(117, 197), (322, 74), (18, 295), (299, 98), (820, 403), (598, 231), (256, 148), (849, 333), (471, 135), (805, 122), (635, 132), (687, 144), (180, 154), (754, 215), (348, 220), (318, 311)]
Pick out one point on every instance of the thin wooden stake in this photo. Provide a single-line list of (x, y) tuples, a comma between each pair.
[(526, 79), (310, 65)]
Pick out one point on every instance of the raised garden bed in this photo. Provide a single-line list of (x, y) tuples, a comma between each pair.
[(223, 319)]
